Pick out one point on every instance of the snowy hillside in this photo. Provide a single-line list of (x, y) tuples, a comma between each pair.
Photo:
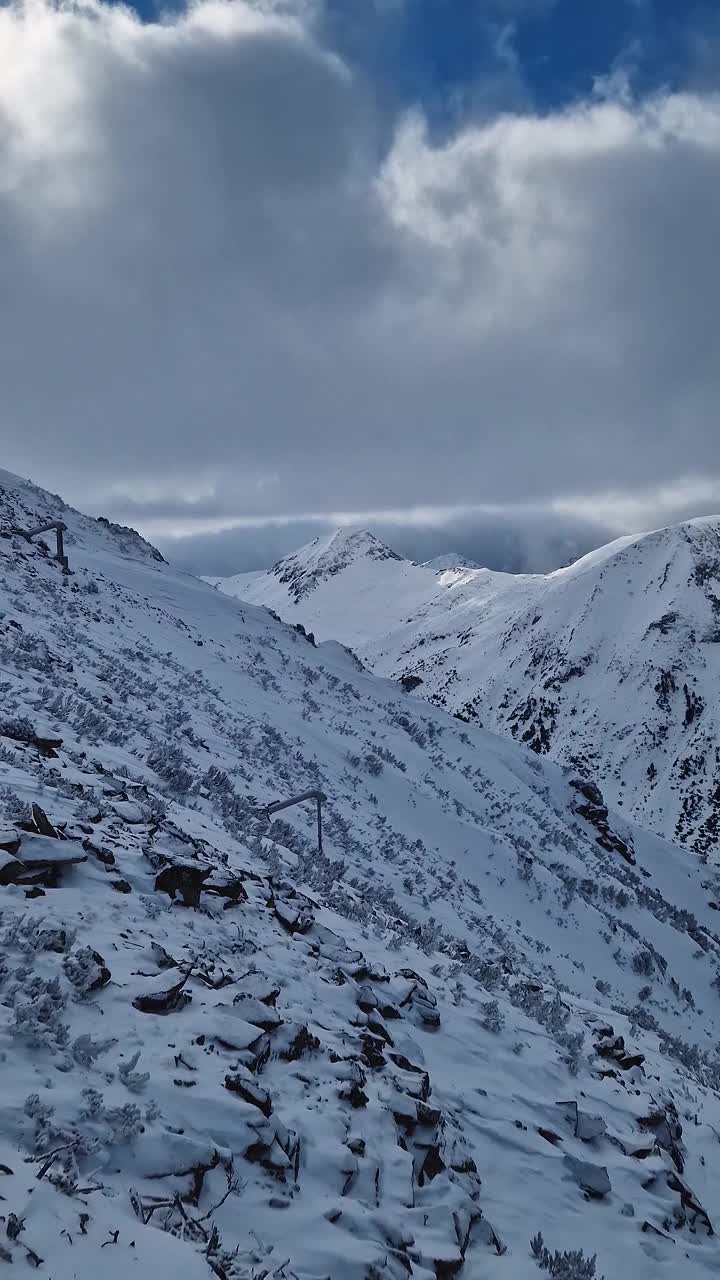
[(489, 1009), (611, 666)]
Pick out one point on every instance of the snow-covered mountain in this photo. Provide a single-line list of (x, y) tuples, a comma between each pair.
[(489, 1008), (611, 665), (451, 560)]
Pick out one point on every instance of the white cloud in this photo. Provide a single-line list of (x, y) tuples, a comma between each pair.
[(223, 287)]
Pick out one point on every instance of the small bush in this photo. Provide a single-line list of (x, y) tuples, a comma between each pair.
[(569, 1265)]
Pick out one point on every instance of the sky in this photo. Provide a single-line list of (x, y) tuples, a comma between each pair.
[(445, 268)]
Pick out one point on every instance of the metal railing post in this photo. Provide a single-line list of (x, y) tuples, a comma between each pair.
[(317, 796)]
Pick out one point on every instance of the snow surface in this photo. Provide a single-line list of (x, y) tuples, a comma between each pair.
[(611, 665), (399, 1058)]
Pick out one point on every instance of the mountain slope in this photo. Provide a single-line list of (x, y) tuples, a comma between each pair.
[(611, 665), (397, 1057)]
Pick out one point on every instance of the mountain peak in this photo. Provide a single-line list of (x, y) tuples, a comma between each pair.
[(327, 556), (451, 560)]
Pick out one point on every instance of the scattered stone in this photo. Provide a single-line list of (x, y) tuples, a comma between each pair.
[(186, 878), (366, 999), (300, 1042), (258, 985), (690, 1204), (553, 1138), (253, 1010), (666, 1126), (593, 1178), (162, 958), (166, 1000), (103, 855), (372, 1052), (233, 890), (9, 840), (43, 824), (128, 811), (121, 886), (245, 1086), (292, 916), (46, 851), (11, 868), (588, 1127)]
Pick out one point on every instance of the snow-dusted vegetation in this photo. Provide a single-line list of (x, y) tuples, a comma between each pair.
[(478, 1034)]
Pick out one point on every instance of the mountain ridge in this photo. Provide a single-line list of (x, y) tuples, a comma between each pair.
[(627, 630)]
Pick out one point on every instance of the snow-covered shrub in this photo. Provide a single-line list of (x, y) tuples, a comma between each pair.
[(38, 1007), (373, 765), (493, 1017), (126, 1121), (12, 807), (558, 1014), (642, 963), (92, 1104), (132, 1079), (85, 1050), (571, 1264), (85, 969), (572, 1044), (30, 936), (170, 763), (20, 728)]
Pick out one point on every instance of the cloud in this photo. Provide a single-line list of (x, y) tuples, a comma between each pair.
[(511, 540), (231, 286)]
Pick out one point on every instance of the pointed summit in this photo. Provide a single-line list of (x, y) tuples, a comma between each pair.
[(325, 557)]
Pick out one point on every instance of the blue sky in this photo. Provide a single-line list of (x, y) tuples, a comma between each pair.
[(464, 58), (457, 57)]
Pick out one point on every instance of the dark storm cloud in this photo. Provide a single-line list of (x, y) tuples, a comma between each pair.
[(229, 289)]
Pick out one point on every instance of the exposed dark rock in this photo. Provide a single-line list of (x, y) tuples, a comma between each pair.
[(250, 1092), (553, 1138), (165, 1001), (372, 1052), (593, 1178), (300, 1042), (11, 869), (410, 682), (103, 855), (9, 841), (595, 811), (292, 916), (43, 825), (256, 1012), (184, 878)]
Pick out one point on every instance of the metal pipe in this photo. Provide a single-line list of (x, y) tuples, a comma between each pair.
[(60, 528), (314, 794)]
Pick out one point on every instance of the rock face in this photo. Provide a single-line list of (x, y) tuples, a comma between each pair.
[(592, 807)]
